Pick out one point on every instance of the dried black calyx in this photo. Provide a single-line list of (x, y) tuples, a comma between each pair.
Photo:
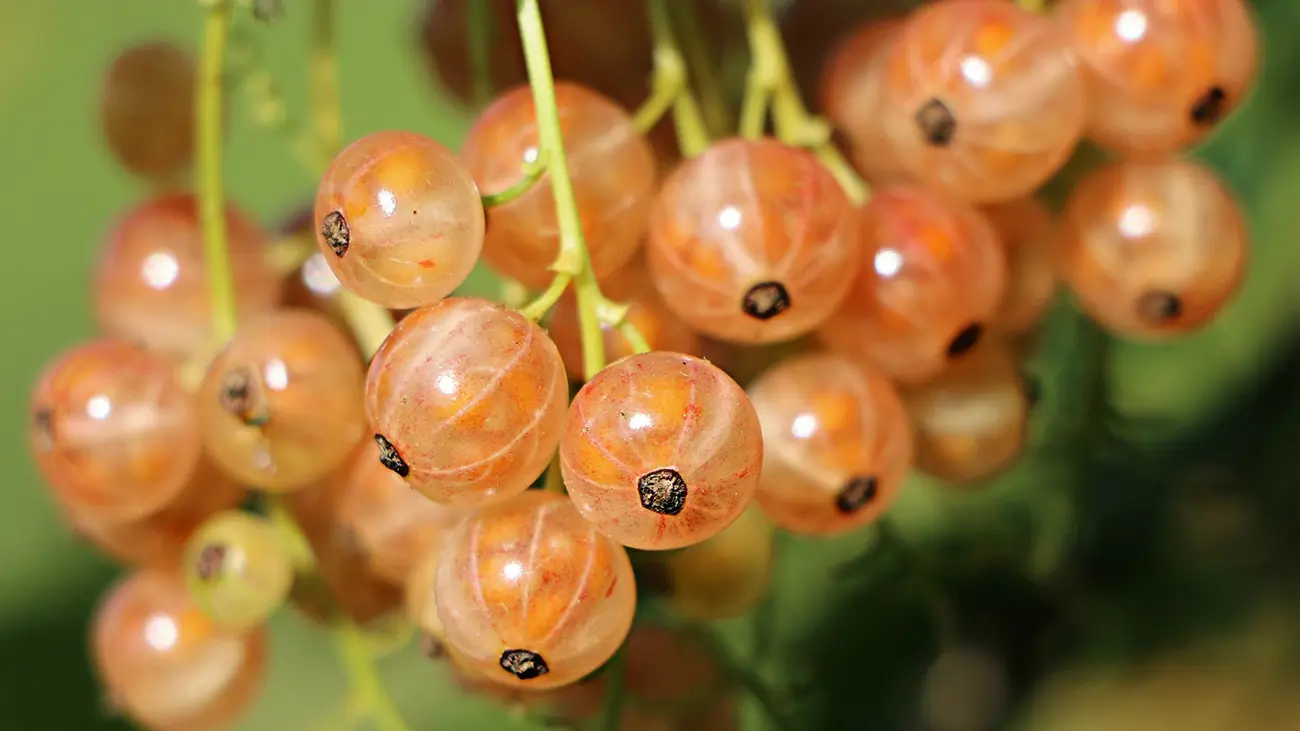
[(210, 562), (524, 664), (389, 457), (432, 647), (238, 396), (1159, 307), (662, 491), (334, 229), (43, 430), (1210, 106), (965, 340), (936, 123), (766, 300), (858, 491)]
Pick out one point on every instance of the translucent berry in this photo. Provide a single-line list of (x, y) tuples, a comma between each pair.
[(165, 663), (673, 681), (467, 401), (613, 173), (531, 594), (1153, 249), (150, 283), (752, 242), (851, 99), (161, 535), (238, 569), (147, 109), (113, 431), (399, 219), (1028, 234), (982, 100), (394, 525), (344, 579), (837, 444), (281, 404), (421, 604), (931, 279), (646, 311), (1160, 75), (661, 450), (970, 421), (724, 576)]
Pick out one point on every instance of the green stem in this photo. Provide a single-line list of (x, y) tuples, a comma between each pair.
[(634, 337), (364, 681), (612, 711), (573, 259), (670, 71), (533, 172), (653, 109), (753, 109), (703, 69), (538, 308), (480, 49), (323, 70), (212, 197)]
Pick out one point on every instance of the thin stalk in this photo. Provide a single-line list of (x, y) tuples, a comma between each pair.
[(212, 196), (703, 69), (670, 69), (532, 173)]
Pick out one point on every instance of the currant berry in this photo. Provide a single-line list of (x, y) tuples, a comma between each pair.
[(147, 110), (161, 535), (676, 683), (982, 100), (1152, 249), (613, 173), (281, 405), (661, 450), (724, 576), (931, 279), (851, 87), (752, 241), (646, 311), (165, 663), (421, 604), (837, 444), (970, 421), (569, 704), (238, 570), (1160, 75), (151, 284), (467, 399), (400, 219), (532, 595), (1028, 234), (394, 525), (113, 431)]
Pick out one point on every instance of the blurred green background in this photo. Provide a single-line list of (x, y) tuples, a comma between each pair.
[(1220, 403)]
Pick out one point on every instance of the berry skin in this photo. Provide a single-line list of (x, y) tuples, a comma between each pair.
[(113, 431), (725, 576), (970, 421), (661, 450), (531, 595), (238, 570), (281, 405), (674, 682), (161, 535), (1028, 234), (837, 444), (150, 283), (851, 99), (167, 665), (421, 604), (147, 110), (613, 173), (394, 525), (399, 219), (1160, 75), (752, 242), (931, 279), (981, 100), (1152, 249), (467, 401)]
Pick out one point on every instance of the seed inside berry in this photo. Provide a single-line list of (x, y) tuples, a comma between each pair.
[(936, 122), (965, 340), (211, 561), (858, 491), (389, 457), (662, 491), (766, 300), (43, 426), (1210, 106), (1159, 307), (336, 233), (524, 664)]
